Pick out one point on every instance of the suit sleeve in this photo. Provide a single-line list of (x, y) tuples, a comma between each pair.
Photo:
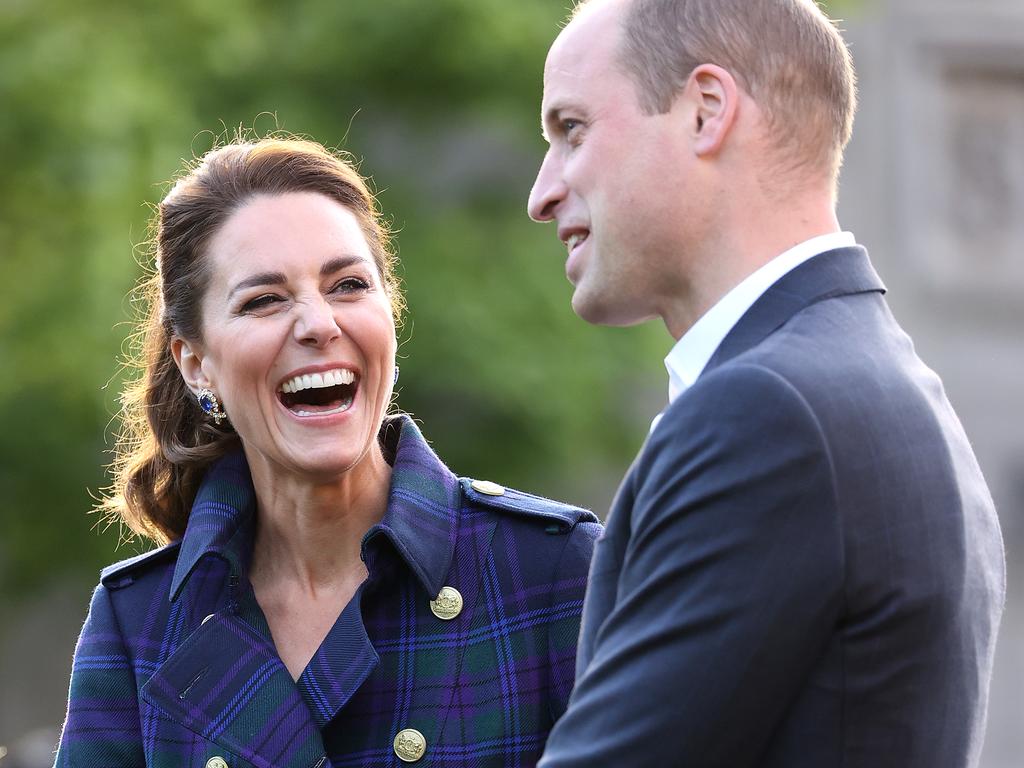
[(102, 724), (728, 588)]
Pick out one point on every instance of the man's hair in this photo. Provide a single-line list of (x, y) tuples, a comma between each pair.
[(786, 54)]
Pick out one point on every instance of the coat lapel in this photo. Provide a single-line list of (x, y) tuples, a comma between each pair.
[(422, 524), (227, 684)]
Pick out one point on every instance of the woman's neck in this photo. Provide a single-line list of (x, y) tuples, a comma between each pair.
[(308, 534)]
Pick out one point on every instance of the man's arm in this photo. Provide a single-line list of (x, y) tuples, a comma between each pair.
[(729, 589)]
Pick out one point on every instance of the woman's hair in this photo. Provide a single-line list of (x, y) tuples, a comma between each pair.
[(166, 441)]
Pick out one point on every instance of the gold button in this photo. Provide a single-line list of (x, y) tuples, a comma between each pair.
[(488, 488), (216, 762), (448, 603), (410, 745)]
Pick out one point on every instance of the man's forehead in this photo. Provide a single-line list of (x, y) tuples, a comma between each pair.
[(586, 47)]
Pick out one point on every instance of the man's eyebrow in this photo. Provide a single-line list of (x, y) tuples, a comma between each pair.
[(278, 278), (550, 117)]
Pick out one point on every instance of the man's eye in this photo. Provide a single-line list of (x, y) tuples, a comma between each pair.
[(260, 302), (573, 131)]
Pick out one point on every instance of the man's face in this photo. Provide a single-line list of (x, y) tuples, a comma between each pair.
[(612, 178)]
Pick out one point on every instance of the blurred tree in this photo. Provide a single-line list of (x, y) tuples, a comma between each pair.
[(103, 99), (101, 102)]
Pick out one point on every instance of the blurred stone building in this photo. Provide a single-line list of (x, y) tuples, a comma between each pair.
[(934, 186)]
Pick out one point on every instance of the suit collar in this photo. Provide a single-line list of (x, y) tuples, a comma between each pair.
[(421, 520), (839, 272)]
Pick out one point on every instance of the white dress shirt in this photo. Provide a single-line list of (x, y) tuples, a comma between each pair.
[(693, 351)]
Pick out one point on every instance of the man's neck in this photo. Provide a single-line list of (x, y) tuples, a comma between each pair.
[(741, 251)]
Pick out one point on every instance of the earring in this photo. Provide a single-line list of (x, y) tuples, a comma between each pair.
[(211, 405), (396, 375)]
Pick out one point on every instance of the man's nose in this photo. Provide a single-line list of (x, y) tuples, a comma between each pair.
[(548, 190), (316, 324)]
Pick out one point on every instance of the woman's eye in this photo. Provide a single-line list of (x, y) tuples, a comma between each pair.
[(260, 302), (350, 285)]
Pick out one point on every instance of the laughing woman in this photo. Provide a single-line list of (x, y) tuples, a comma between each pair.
[(328, 592)]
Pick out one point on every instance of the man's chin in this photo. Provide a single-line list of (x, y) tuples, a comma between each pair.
[(598, 310)]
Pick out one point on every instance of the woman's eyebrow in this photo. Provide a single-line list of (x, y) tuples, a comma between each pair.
[(263, 278), (341, 262), (277, 278)]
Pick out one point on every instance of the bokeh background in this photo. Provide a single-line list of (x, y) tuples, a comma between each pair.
[(102, 100)]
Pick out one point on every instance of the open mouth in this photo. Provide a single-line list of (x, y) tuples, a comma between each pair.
[(319, 394), (576, 239)]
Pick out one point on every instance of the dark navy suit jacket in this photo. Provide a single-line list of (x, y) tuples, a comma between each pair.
[(803, 568)]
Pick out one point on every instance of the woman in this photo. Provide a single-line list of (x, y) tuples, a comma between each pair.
[(330, 594)]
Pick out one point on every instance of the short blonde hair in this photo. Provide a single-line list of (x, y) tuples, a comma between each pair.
[(787, 54)]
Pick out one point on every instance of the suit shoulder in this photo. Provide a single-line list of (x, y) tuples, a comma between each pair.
[(122, 574), (557, 517)]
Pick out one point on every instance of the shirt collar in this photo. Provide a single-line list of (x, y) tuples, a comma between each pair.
[(421, 519), (692, 352)]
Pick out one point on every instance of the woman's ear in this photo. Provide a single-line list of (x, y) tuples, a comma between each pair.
[(188, 356), (715, 95)]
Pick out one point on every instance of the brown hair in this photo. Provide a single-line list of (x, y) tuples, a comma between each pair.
[(786, 54), (166, 442)]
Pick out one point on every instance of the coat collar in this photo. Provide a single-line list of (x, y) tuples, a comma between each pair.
[(421, 520), (839, 272)]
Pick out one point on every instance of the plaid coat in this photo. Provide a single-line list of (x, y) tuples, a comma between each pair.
[(176, 666)]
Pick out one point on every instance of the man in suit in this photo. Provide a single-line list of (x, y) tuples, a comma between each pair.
[(803, 567)]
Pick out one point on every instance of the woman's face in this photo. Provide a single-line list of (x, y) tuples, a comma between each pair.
[(298, 337)]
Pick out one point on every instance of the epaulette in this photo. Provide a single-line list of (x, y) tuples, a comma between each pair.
[(560, 517), (123, 573)]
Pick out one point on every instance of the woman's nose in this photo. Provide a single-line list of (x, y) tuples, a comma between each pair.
[(316, 324)]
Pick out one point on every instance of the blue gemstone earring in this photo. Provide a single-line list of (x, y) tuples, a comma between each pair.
[(211, 405)]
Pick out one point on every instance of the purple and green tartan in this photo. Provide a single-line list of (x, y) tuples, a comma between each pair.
[(176, 665)]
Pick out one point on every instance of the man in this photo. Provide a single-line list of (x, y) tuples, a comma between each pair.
[(803, 567)]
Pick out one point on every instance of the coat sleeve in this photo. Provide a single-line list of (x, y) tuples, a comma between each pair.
[(102, 724), (727, 591), (567, 589)]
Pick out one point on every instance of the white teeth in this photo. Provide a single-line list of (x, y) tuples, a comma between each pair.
[(343, 407), (319, 380), (574, 240)]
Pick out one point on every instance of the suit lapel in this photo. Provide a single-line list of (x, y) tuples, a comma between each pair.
[(840, 272)]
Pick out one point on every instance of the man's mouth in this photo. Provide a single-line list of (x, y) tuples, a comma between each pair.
[(319, 394), (575, 239)]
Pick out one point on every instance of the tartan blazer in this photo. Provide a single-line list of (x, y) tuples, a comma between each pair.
[(175, 665)]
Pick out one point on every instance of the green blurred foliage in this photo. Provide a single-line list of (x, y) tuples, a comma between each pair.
[(100, 103), (101, 100)]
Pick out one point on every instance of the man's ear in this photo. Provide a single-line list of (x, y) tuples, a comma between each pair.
[(188, 356), (716, 97)]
